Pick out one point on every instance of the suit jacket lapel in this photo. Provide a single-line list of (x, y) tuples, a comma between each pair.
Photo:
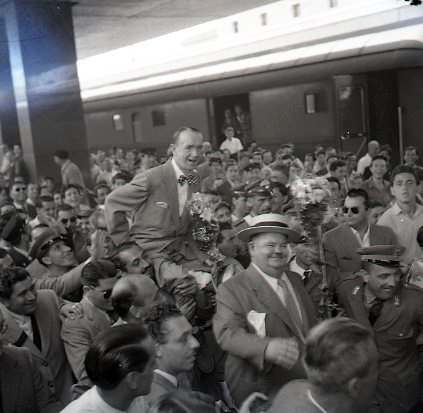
[(270, 299), (350, 239), (9, 378), (170, 186)]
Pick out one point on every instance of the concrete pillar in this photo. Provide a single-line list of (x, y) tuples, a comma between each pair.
[(41, 107)]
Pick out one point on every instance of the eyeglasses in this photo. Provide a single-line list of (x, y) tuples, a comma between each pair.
[(64, 221), (23, 188), (354, 210)]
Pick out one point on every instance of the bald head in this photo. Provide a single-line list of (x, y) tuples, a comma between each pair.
[(133, 293)]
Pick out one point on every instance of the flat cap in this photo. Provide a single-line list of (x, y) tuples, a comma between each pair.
[(384, 255)]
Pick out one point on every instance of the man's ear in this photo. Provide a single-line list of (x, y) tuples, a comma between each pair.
[(353, 387), (158, 348), (46, 260), (364, 274), (172, 148), (132, 379)]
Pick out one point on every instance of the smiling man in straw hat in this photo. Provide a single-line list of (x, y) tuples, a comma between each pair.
[(263, 313)]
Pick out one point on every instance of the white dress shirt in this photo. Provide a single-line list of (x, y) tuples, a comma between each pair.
[(24, 323), (365, 242), (273, 282), (182, 189)]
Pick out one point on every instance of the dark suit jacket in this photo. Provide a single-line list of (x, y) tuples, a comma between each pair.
[(23, 388), (51, 360), (246, 369), (399, 381), (152, 196), (340, 245)]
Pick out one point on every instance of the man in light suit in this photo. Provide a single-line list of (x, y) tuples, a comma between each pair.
[(157, 198), (340, 243), (98, 279), (263, 313), (33, 322)]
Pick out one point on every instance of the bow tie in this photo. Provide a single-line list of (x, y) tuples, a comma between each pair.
[(190, 179)]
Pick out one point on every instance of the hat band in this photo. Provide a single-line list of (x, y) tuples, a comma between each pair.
[(270, 224)]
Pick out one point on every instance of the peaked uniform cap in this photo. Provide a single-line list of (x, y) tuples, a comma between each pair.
[(385, 255)]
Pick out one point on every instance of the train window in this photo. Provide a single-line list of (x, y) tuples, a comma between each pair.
[(263, 18), (117, 122), (315, 102), (333, 3), (235, 27), (159, 117), (296, 10)]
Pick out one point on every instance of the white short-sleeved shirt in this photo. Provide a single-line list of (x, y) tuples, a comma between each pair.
[(233, 146), (405, 228)]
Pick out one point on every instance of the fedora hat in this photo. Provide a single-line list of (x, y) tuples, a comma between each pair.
[(266, 223)]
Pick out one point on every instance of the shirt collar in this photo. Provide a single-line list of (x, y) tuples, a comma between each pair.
[(178, 170), (268, 278), (294, 267), (168, 376), (396, 210)]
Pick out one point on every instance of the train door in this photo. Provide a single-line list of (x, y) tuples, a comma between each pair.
[(232, 110), (351, 101)]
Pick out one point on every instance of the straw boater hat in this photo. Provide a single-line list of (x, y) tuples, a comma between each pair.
[(275, 223)]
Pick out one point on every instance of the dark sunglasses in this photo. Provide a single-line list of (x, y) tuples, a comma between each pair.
[(64, 221), (107, 293), (23, 188), (354, 210)]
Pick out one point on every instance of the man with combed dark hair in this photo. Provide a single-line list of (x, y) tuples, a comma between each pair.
[(33, 322), (176, 347), (341, 362), (130, 258), (341, 242), (98, 278), (120, 363), (405, 217)]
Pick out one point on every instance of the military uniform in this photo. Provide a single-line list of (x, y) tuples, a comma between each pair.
[(399, 386)]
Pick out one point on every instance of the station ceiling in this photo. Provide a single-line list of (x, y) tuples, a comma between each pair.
[(104, 25)]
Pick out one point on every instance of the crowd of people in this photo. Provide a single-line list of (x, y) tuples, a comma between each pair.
[(191, 282)]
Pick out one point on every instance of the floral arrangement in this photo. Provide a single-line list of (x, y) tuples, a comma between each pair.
[(312, 200), (205, 229)]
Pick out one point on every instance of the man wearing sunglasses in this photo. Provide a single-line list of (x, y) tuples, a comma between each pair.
[(98, 279), (18, 194), (341, 242), (67, 225)]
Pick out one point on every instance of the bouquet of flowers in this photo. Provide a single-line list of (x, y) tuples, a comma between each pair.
[(313, 199), (205, 229)]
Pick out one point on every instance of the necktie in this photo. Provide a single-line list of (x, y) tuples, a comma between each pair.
[(190, 179), (307, 274), (291, 307), (375, 310)]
